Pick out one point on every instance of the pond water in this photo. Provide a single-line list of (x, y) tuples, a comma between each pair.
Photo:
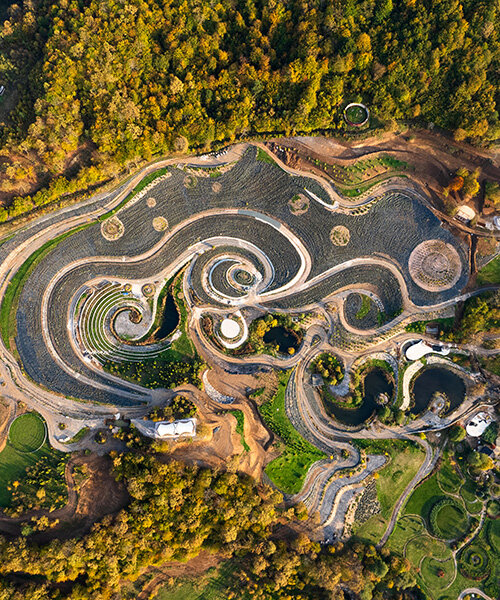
[(437, 379), (285, 338), (170, 319), (376, 382)]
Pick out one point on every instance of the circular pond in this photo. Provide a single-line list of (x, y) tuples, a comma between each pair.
[(284, 338), (27, 433), (375, 383), (437, 379)]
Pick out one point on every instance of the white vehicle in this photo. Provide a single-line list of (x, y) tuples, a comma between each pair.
[(2, 90)]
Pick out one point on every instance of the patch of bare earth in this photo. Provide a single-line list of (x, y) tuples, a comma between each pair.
[(7, 414), (168, 572), (98, 495)]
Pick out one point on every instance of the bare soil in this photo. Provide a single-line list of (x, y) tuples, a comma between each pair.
[(99, 495), (7, 414), (171, 570), (432, 156)]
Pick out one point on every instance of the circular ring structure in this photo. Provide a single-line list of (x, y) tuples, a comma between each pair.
[(112, 229), (27, 433), (356, 114), (435, 265)]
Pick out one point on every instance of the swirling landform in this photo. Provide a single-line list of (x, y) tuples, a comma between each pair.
[(243, 247)]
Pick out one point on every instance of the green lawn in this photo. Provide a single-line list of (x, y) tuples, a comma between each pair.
[(451, 522), (437, 573), (27, 433), (448, 478), (288, 471), (394, 478), (490, 274), (468, 494), (423, 498), (404, 460), (406, 527), (13, 463)]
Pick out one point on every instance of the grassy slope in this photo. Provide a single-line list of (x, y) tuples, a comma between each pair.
[(411, 539), (288, 471), (13, 465), (404, 460), (240, 426), (490, 274), (210, 586)]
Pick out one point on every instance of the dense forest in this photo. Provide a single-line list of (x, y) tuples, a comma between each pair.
[(174, 512), (99, 84)]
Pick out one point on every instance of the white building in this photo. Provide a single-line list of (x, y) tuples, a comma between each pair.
[(421, 348), (478, 424)]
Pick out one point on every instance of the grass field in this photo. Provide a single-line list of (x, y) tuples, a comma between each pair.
[(437, 571), (447, 477), (13, 463), (27, 433), (451, 521), (404, 460), (490, 274), (289, 470), (423, 498)]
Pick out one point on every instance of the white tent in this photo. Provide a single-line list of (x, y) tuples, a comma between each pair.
[(176, 428)]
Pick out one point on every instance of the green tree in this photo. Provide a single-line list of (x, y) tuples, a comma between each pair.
[(456, 433)]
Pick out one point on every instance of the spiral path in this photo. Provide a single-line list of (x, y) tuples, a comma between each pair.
[(94, 297)]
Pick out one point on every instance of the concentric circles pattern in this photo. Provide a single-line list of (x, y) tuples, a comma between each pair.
[(95, 334), (242, 249), (435, 265)]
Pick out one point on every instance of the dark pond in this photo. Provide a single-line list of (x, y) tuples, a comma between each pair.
[(170, 318), (376, 382), (285, 338), (437, 379)]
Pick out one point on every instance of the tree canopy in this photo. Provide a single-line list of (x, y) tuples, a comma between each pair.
[(136, 77)]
